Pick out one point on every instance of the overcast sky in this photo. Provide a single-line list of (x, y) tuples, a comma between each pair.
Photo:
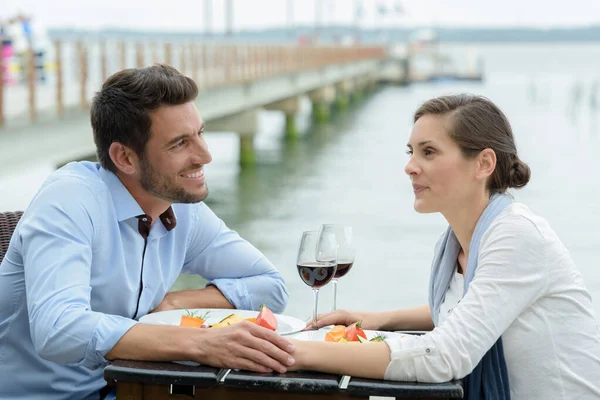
[(187, 15)]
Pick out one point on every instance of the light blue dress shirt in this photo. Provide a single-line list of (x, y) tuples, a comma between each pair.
[(70, 281)]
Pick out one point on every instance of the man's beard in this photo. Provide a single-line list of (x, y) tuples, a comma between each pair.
[(164, 187)]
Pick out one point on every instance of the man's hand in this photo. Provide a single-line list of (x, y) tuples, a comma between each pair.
[(245, 345)]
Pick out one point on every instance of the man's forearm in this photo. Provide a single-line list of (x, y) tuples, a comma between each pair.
[(242, 346), (154, 343), (208, 297)]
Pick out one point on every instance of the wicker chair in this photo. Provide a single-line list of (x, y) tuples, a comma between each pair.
[(8, 222)]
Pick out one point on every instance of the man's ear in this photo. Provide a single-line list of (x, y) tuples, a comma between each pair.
[(486, 163), (124, 158)]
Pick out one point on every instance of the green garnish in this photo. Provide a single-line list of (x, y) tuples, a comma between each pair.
[(194, 314), (378, 338)]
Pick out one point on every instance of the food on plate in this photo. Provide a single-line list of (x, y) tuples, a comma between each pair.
[(350, 334), (191, 318), (378, 338), (354, 331), (336, 333), (228, 320), (265, 318)]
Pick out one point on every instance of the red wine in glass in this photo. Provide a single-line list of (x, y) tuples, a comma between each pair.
[(345, 251), (343, 267), (317, 274)]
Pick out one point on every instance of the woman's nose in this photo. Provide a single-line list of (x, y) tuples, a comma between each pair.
[(411, 167)]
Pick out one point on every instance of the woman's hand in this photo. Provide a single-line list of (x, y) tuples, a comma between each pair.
[(370, 320)]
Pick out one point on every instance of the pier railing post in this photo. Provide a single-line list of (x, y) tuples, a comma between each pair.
[(194, 61), (168, 54), (83, 74), (32, 81), (139, 55), (123, 48), (183, 59), (103, 61), (60, 104)]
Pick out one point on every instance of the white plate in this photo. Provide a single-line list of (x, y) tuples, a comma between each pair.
[(285, 324), (319, 336)]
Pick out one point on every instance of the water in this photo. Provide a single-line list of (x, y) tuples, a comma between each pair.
[(351, 171)]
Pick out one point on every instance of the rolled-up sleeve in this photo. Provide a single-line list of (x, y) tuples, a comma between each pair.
[(240, 271), (57, 234), (512, 274)]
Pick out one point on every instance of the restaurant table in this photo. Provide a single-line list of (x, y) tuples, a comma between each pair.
[(145, 380)]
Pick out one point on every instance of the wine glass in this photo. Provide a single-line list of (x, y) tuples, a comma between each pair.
[(316, 272), (345, 251)]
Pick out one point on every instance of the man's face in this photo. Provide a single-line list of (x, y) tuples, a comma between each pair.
[(172, 167)]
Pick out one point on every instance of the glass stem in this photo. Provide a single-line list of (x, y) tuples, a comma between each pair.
[(315, 308), (335, 281)]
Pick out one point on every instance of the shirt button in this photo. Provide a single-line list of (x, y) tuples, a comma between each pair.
[(145, 219), (427, 351)]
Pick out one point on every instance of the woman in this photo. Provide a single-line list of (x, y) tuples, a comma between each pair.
[(508, 309)]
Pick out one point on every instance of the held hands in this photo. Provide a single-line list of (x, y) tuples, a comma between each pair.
[(344, 317), (245, 346)]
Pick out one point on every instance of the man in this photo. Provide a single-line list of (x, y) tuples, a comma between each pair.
[(101, 244)]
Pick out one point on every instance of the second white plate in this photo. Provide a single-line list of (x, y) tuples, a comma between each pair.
[(285, 324)]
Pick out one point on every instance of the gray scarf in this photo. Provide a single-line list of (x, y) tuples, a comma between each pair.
[(489, 379)]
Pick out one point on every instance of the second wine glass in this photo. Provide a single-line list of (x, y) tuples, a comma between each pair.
[(345, 251)]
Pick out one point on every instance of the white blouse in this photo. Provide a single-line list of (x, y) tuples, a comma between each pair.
[(453, 296), (527, 290)]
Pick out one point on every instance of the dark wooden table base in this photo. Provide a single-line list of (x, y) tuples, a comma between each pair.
[(137, 380)]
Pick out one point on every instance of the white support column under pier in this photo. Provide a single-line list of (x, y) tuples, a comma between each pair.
[(322, 99), (245, 124), (290, 108)]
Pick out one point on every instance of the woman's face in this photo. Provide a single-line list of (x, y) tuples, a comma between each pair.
[(443, 179)]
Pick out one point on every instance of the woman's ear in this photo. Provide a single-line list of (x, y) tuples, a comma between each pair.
[(486, 163), (123, 157)]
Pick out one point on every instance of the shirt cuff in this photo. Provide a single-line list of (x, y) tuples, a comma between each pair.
[(109, 330), (235, 291), (402, 355)]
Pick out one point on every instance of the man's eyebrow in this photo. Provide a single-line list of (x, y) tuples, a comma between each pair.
[(176, 139)]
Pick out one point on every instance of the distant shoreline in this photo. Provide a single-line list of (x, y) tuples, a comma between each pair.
[(331, 33)]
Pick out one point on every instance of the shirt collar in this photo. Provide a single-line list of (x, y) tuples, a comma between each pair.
[(125, 205), (145, 222)]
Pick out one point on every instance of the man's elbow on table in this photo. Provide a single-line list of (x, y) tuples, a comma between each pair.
[(278, 296), (57, 348), (64, 340)]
